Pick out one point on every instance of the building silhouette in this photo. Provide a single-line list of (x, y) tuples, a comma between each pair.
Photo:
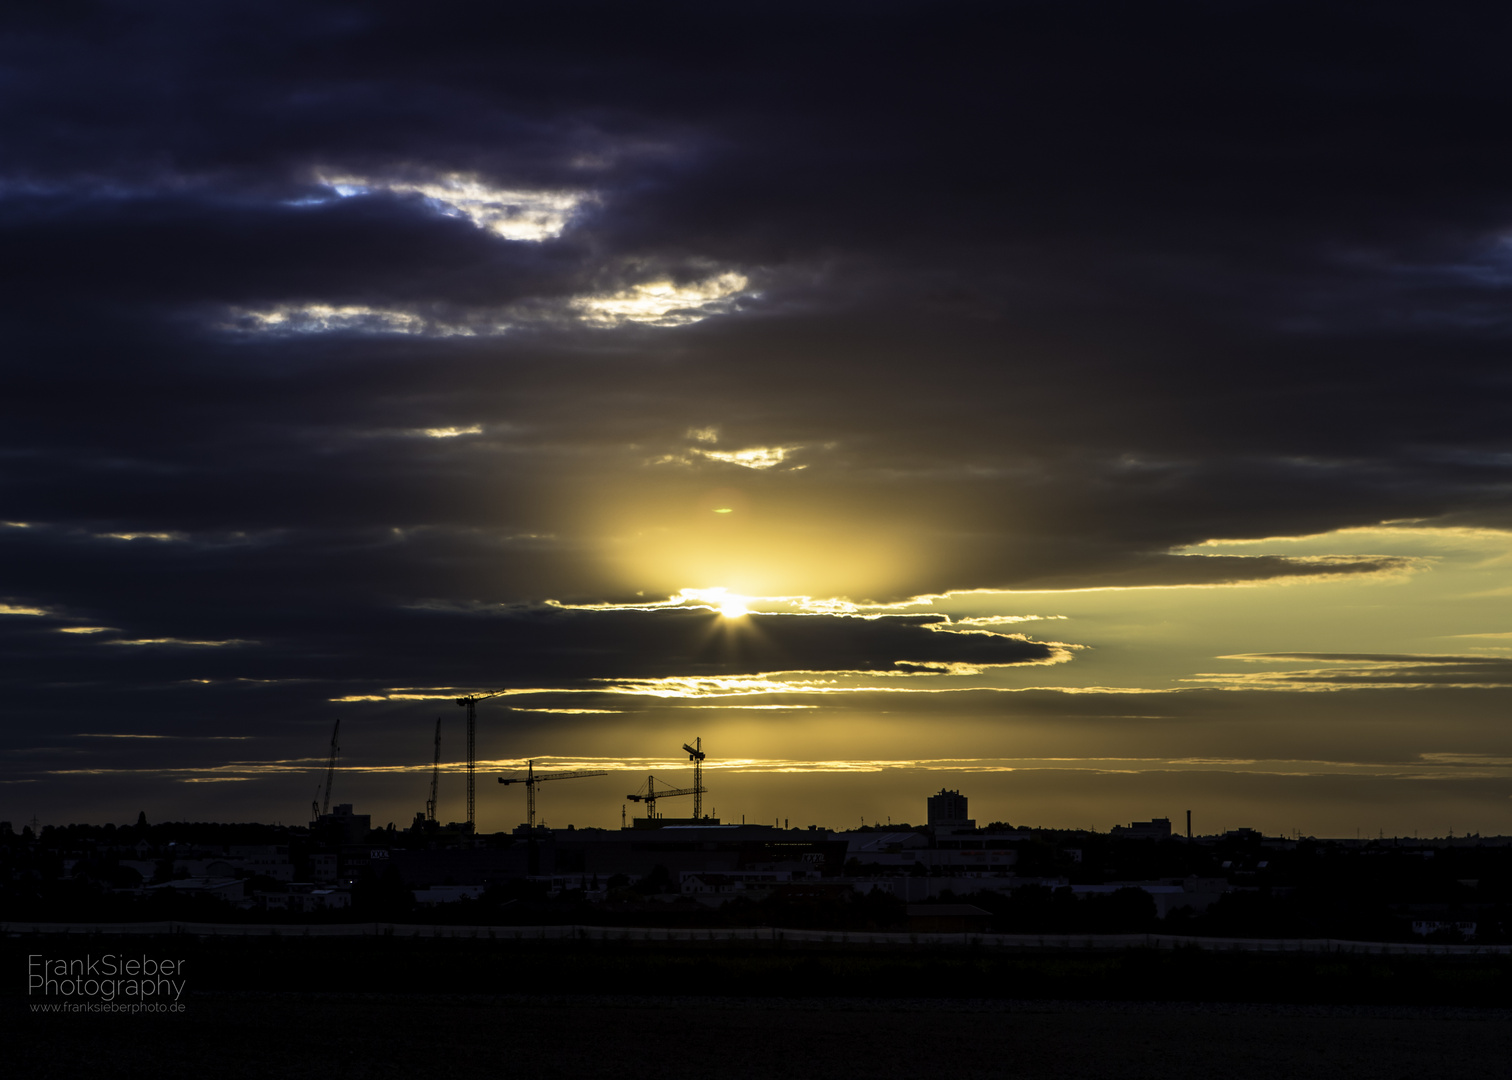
[(947, 811)]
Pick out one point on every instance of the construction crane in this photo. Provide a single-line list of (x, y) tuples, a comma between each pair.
[(430, 804), (530, 780), (696, 756), (324, 806), (650, 794), (470, 703)]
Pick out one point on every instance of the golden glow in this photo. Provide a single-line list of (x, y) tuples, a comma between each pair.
[(21, 609), (810, 605), (757, 549), (733, 608), (724, 509), (181, 641), (1424, 766)]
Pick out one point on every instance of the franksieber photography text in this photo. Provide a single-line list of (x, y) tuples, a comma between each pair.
[(106, 978)]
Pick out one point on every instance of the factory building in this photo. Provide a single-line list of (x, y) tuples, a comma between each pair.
[(1155, 829)]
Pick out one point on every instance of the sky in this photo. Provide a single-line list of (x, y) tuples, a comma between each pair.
[(1101, 409)]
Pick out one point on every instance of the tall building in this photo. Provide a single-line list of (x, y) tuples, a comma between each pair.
[(947, 810)]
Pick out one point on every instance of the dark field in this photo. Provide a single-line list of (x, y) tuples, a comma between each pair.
[(407, 1008), (400, 964), (315, 1035)]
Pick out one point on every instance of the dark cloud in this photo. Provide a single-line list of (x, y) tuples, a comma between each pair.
[(190, 653)]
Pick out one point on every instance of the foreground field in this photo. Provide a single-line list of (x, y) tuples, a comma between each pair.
[(297, 1035), (781, 968), (394, 1006)]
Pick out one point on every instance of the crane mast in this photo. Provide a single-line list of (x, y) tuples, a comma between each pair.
[(430, 804), (696, 756), (470, 703), (325, 804)]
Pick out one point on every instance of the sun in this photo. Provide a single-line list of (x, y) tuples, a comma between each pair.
[(730, 605)]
